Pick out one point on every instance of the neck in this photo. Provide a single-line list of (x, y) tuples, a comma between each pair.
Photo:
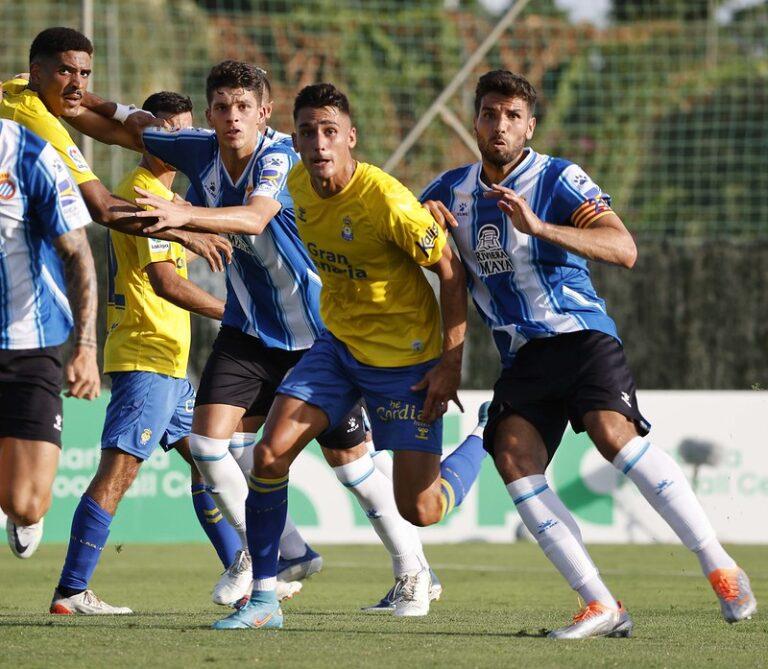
[(158, 170), (494, 174), (335, 184), (236, 160)]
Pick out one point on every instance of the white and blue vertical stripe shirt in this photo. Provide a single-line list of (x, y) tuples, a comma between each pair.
[(525, 288), (272, 286), (39, 202)]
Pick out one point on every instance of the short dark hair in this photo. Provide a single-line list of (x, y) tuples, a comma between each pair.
[(168, 102), (57, 40), (318, 96), (505, 83), (236, 74)]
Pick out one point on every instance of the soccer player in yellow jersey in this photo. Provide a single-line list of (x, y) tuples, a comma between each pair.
[(59, 68), (146, 355), (369, 238)]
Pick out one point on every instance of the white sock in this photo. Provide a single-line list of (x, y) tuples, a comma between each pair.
[(552, 525), (223, 474), (241, 447), (373, 491), (292, 544), (665, 487), (383, 462)]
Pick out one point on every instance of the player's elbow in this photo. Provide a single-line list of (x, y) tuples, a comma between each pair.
[(629, 254)]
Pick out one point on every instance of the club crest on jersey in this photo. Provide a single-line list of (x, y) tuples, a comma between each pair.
[(7, 187), (491, 257), (346, 229)]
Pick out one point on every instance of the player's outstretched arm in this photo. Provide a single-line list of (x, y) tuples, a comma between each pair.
[(82, 371), (97, 119), (442, 381), (121, 215), (182, 292), (249, 219), (605, 240)]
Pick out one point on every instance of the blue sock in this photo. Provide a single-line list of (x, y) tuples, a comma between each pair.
[(220, 533), (90, 529), (459, 471), (265, 511)]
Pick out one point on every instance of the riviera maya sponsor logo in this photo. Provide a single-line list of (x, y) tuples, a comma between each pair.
[(491, 257)]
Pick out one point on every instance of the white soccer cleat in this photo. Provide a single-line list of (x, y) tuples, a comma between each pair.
[(594, 620), (85, 603), (387, 603), (287, 589), (235, 582), (413, 596), (24, 539)]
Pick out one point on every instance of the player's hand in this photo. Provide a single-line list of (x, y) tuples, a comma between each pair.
[(82, 373), (138, 120), (177, 199), (442, 385), (214, 249), (517, 208), (441, 214), (168, 214)]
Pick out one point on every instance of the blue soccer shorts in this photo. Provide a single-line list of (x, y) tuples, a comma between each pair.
[(330, 378), (147, 409)]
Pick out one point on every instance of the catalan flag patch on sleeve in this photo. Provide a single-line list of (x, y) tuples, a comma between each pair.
[(588, 212)]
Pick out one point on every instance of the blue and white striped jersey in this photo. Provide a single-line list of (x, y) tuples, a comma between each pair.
[(272, 286), (39, 201), (525, 288)]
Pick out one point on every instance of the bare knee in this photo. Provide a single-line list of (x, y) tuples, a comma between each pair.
[(26, 508), (422, 511), (609, 431), (269, 461)]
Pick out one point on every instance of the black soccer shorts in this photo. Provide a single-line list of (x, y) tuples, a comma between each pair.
[(557, 379)]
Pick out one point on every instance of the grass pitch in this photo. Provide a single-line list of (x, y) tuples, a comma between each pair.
[(497, 602)]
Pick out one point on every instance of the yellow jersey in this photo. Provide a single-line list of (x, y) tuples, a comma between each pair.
[(25, 107), (144, 331), (367, 243)]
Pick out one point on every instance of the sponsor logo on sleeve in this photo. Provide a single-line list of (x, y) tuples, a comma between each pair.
[(427, 242), (159, 245), (77, 159)]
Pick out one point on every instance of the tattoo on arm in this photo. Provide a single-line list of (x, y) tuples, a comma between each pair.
[(80, 277)]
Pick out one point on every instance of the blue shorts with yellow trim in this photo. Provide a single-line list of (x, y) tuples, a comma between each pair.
[(329, 377), (147, 409)]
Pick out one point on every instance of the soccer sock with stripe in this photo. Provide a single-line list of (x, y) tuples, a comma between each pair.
[(459, 470), (224, 478), (220, 533), (90, 529), (556, 532), (374, 492), (265, 512), (665, 487)]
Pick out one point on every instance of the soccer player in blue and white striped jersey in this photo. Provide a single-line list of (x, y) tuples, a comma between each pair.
[(525, 224), (47, 287)]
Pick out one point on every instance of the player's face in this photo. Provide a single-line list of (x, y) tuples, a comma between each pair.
[(236, 115), (324, 138), (183, 120), (502, 127), (61, 81)]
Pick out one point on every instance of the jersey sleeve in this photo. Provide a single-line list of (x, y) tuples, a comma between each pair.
[(410, 226), (157, 250), (270, 174), (577, 200), (188, 150), (54, 195), (435, 191), (49, 128)]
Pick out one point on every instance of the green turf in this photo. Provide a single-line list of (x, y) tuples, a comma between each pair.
[(497, 601)]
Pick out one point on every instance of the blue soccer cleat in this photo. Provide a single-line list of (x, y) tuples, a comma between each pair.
[(255, 614), (297, 569)]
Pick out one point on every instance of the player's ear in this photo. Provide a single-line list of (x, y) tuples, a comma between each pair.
[(34, 73), (295, 145), (208, 116), (531, 127), (268, 110), (352, 137)]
